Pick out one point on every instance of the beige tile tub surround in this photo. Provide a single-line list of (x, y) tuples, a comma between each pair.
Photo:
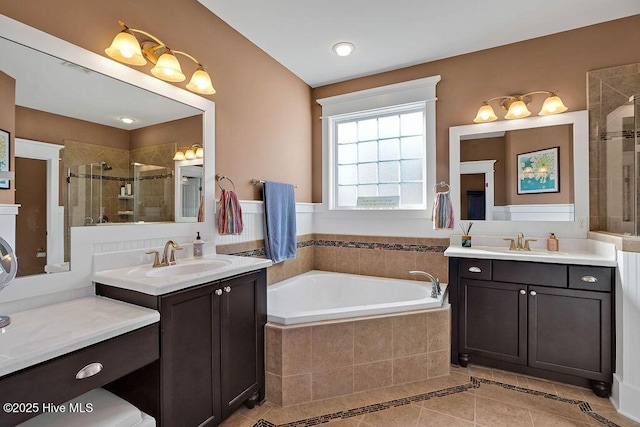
[(323, 360), (390, 256)]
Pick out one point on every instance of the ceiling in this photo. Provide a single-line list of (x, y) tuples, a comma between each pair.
[(391, 34)]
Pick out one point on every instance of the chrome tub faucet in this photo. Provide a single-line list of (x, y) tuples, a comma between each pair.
[(435, 283)]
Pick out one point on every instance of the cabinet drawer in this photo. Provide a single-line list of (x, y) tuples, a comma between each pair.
[(530, 273), (479, 269), (55, 381), (590, 278)]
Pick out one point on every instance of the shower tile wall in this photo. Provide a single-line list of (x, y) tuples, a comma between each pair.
[(611, 170), (368, 255)]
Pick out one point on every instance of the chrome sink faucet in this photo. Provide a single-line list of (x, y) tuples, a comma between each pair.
[(435, 283), (520, 246)]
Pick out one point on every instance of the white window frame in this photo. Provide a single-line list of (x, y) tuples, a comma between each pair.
[(356, 103)]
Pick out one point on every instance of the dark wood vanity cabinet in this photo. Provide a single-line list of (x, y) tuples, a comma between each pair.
[(549, 320), (211, 351)]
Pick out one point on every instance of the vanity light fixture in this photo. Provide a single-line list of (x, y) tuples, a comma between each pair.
[(343, 48), (127, 49), (516, 106), (189, 153)]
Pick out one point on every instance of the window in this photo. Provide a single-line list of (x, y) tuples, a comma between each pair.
[(379, 147), (380, 158)]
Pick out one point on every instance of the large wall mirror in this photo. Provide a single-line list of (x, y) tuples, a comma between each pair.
[(522, 171), (78, 164)]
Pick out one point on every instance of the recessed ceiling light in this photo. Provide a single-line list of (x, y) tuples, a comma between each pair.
[(344, 48), (127, 120)]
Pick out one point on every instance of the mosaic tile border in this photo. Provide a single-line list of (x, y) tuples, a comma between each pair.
[(475, 382), (260, 252), (121, 179)]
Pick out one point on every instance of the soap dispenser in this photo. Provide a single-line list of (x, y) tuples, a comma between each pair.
[(197, 246), (552, 243)]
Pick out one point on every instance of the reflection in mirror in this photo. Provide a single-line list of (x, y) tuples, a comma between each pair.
[(531, 174), (76, 111), (189, 195), (518, 175)]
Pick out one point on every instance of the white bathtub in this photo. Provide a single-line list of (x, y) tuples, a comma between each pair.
[(321, 295)]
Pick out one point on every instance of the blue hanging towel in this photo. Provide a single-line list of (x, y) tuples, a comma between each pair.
[(280, 221)]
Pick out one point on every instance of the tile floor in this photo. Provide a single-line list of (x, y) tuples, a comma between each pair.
[(471, 396)]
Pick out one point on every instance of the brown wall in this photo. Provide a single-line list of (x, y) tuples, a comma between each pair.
[(528, 140), (53, 128), (262, 109), (184, 132), (8, 123), (558, 62)]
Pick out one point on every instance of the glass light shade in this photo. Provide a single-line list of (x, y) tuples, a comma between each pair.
[(168, 68), (189, 154), (201, 83), (179, 156), (485, 114), (552, 105), (199, 153), (125, 48), (517, 110)]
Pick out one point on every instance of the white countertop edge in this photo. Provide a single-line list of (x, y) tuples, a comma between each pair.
[(577, 258), (161, 286), (145, 318)]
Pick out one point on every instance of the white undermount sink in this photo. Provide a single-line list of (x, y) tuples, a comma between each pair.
[(190, 267), (536, 252)]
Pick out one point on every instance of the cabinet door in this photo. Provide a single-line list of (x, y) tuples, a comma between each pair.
[(243, 316), (570, 332), (493, 320), (190, 357)]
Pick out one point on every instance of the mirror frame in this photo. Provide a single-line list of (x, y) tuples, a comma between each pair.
[(579, 120), (84, 240)]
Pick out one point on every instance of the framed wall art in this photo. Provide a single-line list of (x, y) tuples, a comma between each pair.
[(5, 158), (538, 172)]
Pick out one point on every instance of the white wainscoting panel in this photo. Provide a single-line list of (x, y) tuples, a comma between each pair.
[(626, 381), (253, 220)]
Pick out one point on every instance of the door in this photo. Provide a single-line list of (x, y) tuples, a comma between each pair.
[(243, 316), (31, 222), (190, 358), (493, 321), (476, 205), (570, 332)]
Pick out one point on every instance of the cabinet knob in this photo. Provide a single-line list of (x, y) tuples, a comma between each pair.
[(589, 279), (523, 292), (475, 269), (88, 371), (218, 291), (533, 293), (227, 289)]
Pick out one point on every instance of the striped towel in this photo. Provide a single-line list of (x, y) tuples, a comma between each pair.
[(442, 215), (229, 213)]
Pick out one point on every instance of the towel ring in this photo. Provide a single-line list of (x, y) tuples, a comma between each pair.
[(441, 184), (220, 178)]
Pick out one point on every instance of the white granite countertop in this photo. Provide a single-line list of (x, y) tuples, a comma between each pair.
[(41, 334), (185, 274), (595, 257)]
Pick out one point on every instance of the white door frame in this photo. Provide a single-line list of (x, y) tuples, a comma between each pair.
[(486, 168), (55, 214)]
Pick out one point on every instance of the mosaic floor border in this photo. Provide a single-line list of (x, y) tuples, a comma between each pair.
[(475, 382)]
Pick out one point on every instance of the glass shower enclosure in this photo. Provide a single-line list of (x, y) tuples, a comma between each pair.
[(98, 194), (614, 107)]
